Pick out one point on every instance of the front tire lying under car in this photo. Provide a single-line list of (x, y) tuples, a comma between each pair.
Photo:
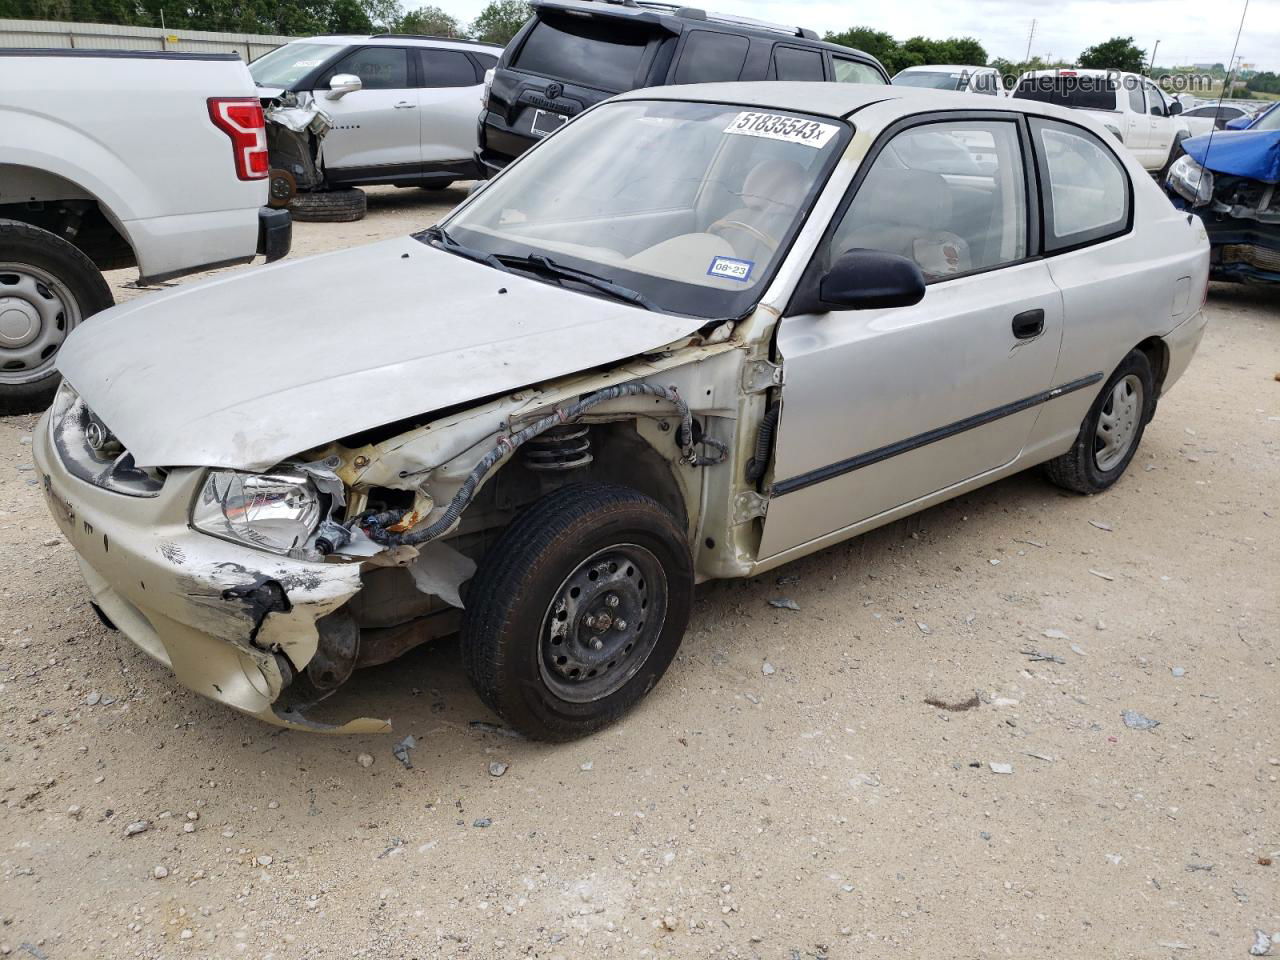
[(577, 611)]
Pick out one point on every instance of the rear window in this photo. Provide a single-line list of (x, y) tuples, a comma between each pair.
[(1079, 93), (603, 53), (934, 80)]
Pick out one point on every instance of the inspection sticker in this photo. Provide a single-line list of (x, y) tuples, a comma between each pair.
[(775, 126), (731, 269)]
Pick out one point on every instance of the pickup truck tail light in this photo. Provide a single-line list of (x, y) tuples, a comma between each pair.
[(241, 119)]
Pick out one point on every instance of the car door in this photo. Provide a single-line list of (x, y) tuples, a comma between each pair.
[(375, 129), (1137, 133), (882, 407), (450, 98), (1161, 125)]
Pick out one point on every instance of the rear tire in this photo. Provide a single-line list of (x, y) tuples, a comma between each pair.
[(1111, 432), (577, 611), (329, 206), (48, 287)]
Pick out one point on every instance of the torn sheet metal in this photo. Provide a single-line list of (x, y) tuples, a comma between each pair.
[(440, 570)]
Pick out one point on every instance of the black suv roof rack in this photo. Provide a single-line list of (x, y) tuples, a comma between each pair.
[(696, 13), (428, 36)]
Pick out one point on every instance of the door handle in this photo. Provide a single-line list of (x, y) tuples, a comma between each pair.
[(405, 105), (1028, 324)]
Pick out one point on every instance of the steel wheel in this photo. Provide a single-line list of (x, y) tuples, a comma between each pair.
[(1118, 422), (37, 311), (603, 623)]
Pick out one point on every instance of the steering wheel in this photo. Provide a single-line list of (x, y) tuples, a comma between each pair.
[(725, 225)]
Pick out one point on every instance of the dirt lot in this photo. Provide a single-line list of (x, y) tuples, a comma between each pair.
[(784, 793)]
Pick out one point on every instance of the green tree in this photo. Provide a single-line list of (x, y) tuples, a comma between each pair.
[(431, 21), (500, 20), (879, 44), (1118, 53)]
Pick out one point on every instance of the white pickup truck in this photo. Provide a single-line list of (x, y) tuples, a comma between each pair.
[(111, 159), (1139, 114)]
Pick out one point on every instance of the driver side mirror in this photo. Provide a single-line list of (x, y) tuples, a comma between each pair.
[(341, 84), (864, 280)]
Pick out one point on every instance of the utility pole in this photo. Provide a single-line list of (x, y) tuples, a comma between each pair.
[(1030, 36), (1152, 65)]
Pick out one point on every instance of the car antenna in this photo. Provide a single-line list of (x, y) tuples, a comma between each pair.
[(1226, 84)]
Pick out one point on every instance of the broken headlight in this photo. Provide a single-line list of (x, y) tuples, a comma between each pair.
[(1191, 181), (272, 511)]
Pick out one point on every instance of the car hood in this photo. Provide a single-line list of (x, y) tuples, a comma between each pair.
[(1243, 153), (248, 369)]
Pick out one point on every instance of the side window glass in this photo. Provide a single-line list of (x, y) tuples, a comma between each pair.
[(446, 68), (1156, 101), (951, 196), (1088, 189), (1136, 102), (709, 57), (379, 68), (486, 61), (851, 71), (791, 63)]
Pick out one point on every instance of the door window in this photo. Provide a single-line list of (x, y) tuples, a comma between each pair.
[(445, 68), (1155, 100), (851, 71), (710, 57), (1088, 191), (379, 68), (791, 63), (951, 196), (1136, 102)]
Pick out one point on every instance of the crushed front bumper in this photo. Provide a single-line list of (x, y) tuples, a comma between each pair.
[(232, 623), (1240, 251)]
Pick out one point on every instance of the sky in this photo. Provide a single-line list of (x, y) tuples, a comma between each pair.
[(1189, 31)]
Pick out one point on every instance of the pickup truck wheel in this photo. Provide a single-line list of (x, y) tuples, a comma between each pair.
[(1175, 151), (329, 206), (1110, 434), (577, 611), (47, 288)]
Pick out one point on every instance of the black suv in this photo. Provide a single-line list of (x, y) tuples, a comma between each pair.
[(574, 53)]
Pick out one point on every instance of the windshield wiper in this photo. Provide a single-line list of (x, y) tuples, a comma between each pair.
[(438, 237), (539, 263)]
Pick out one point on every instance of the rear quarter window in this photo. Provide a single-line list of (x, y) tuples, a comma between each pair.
[(1088, 197), (603, 53), (1079, 93), (710, 57)]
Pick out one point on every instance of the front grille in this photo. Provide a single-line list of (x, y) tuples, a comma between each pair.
[(1264, 258)]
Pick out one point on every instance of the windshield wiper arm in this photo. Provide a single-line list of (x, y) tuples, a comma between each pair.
[(438, 237), (543, 264)]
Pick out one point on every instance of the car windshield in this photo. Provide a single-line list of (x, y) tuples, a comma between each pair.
[(690, 206), (1268, 121), (930, 79), (1079, 92), (285, 66)]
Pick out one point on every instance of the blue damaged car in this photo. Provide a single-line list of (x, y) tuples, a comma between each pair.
[(1229, 179)]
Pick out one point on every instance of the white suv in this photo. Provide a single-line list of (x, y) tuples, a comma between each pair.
[(402, 109)]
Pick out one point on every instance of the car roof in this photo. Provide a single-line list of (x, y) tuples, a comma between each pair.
[(409, 40), (672, 14), (841, 99), (947, 67), (1081, 72)]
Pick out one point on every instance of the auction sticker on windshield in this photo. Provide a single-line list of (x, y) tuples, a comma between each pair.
[(776, 126)]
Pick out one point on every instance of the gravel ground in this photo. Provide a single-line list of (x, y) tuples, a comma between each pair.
[(786, 792)]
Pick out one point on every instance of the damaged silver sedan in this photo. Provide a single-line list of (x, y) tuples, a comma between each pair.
[(696, 333)]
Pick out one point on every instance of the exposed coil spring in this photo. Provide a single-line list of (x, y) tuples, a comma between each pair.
[(560, 448)]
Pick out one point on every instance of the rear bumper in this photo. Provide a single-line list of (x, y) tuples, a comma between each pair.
[(191, 601), (499, 144), (275, 233)]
